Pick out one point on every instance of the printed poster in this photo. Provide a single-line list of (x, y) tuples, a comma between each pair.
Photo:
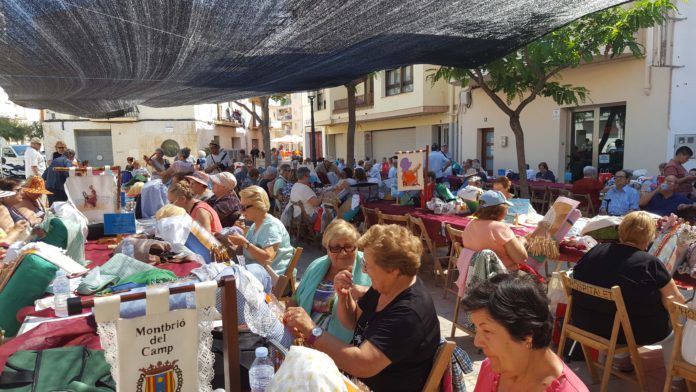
[(94, 196), (409, 171)]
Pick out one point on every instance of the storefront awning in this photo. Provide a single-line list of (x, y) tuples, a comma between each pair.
[(94, 57)]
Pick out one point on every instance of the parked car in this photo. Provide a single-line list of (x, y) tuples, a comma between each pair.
[(13, 160)]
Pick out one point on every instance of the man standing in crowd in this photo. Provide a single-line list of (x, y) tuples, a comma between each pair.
[(663, 200), (675, 167), (621, 198), (254, 154), (438, 163), (55, 180), (159, 163), (34, 161), (218, 161)]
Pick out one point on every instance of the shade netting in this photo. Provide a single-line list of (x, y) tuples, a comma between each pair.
[(92, 57)]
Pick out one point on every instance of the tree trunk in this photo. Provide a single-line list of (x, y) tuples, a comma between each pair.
[(266, 131), (350, 148), (516, 127)]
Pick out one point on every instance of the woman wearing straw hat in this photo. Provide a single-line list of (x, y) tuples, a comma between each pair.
[(33, 202)]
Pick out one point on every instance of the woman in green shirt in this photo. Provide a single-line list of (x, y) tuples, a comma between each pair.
[(266, 242)]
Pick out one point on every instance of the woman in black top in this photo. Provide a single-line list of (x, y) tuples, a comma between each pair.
[(644, 281), (396, 327)]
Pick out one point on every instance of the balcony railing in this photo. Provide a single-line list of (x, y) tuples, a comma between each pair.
[(233, 120), (361, 101)]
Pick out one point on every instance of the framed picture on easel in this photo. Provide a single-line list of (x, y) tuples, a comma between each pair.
[(94, 191)]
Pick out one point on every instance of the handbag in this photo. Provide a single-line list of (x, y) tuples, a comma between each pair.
[(73, 368)]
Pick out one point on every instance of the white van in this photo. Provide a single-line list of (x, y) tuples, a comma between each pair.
[(13, 160)]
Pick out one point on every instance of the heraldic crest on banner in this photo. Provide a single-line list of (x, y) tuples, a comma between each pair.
[(165, 377), (164, 350)]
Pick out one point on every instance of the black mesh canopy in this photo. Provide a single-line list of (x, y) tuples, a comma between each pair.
[(92, 57)]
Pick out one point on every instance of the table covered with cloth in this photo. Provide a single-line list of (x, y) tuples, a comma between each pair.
[(99, 254), (435, 224)]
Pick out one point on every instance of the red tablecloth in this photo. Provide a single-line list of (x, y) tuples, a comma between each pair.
[(456, 183), (435, 224), (557, 185), (100, 254)]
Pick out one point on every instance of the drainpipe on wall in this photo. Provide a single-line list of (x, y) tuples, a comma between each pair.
[(453, 141), (649, 54)]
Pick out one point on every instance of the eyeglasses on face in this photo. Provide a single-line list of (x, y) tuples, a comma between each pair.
[(338, 248), (244, 208)]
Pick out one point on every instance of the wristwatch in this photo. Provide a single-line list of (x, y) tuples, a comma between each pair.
[(316, 332), (246, 245)]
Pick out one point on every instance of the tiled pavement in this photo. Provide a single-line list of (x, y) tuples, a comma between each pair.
[(445, 310)]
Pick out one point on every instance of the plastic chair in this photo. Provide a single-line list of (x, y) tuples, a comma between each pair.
[(587, 339), (677, 365)]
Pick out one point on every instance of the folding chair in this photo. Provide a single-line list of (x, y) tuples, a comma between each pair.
[(586, 206), (418, 229), (300, 225), (539, 198), (286, 282), (554, 193), (386, 219), (589, 340), (455, 237), (516, 190), (679, 313), (370, 216), (442, 360)]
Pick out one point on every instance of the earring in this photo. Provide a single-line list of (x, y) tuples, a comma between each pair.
[(529, 345)]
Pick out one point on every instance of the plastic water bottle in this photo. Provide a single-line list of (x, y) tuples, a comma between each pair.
[(61, 290), (127, 248), (261, 371)]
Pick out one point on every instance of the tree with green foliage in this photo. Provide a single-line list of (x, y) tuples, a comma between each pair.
[(517, 79), (13, 130)]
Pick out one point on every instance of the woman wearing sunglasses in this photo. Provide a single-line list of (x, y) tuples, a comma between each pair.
[(266, 242), (396, 329), (316, 293)]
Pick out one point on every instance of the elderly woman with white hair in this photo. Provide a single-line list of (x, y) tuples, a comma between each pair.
[(266, 241), (590, 185), (224, 200)]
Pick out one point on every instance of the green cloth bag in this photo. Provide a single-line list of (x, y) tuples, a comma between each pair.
[(74, 368), (28, 283), (66, 234)]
